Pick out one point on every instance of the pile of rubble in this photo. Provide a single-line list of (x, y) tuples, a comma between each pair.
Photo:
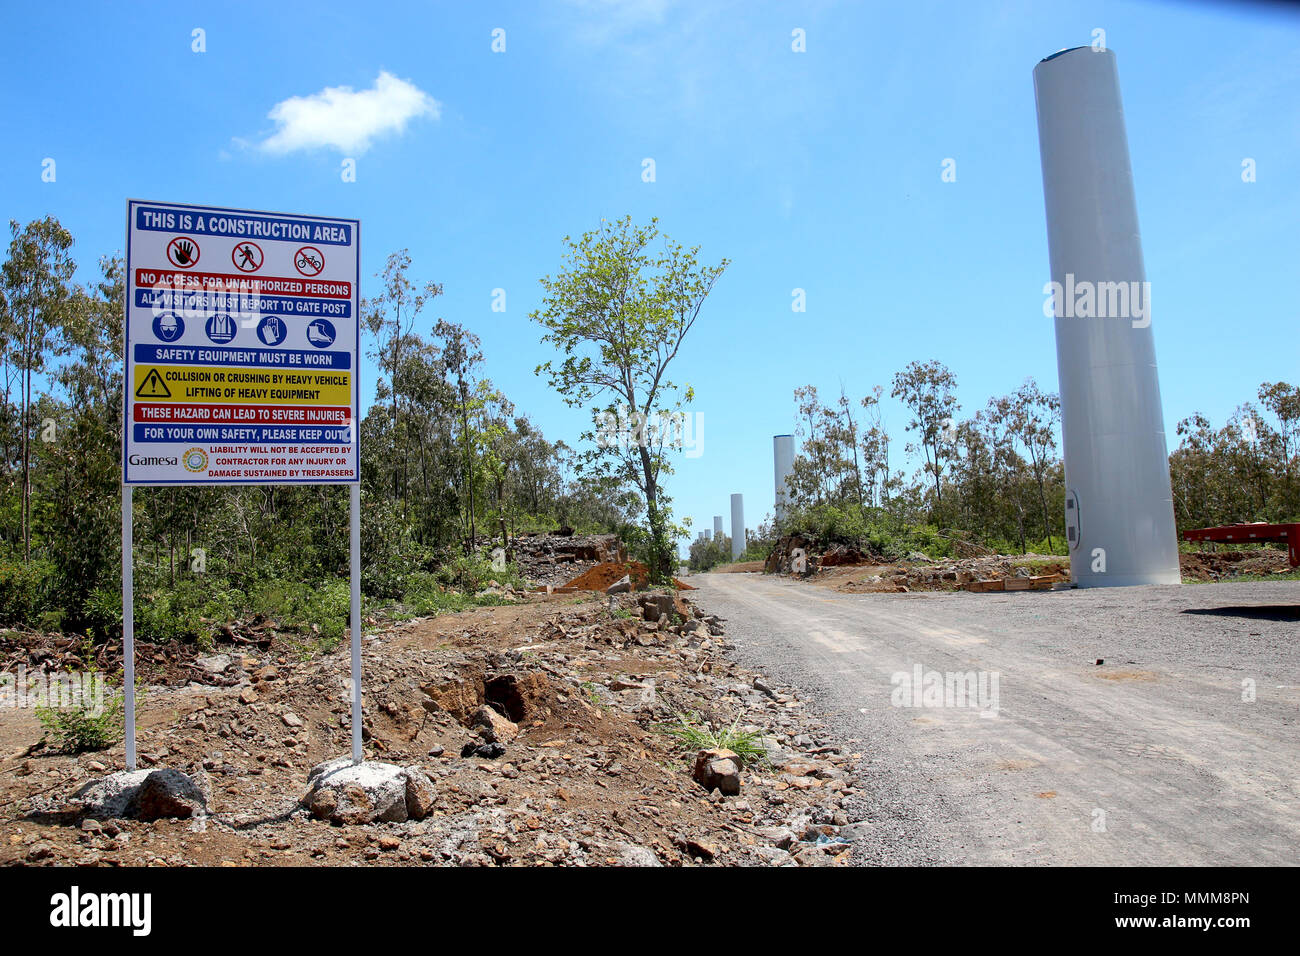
[(29, 654), (539, 727), (1224, 565), (615, 577), (974, 574), (856, 568), (791, 555), (557, 557)]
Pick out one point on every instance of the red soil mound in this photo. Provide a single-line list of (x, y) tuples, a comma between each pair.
[(603, 575)]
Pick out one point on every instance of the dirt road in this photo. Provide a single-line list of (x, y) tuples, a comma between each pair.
[(1157, 756)]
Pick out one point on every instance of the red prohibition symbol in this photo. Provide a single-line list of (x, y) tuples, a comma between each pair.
[(309, 261), (247, 256), (183, 252)]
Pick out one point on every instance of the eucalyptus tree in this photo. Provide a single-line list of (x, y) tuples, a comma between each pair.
[(927, 390), (617, 315), (36, 291)]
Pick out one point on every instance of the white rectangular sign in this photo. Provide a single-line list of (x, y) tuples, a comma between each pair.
[(242, 347)]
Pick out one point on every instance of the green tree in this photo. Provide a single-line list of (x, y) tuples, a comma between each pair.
[(1033, 417), (80, 454), (708, 553), (874, 444), (927, 388), (461, 353), (1283, 400), (998, 422), (36, 293), (618, 314), (390, 319)]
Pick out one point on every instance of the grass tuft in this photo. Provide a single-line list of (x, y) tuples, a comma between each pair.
[(695, 735)]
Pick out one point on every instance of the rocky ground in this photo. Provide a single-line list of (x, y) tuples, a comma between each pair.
[(1226, 565), (944, 575), (570, 765), (852, 571)]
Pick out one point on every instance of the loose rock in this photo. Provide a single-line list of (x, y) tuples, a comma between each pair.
[(371, 792), (718, 770)]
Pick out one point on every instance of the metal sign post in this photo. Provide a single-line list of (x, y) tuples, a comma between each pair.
[(128, 623), (242, 358), (355, 549)]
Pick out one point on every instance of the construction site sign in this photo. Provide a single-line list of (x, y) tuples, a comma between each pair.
[(242, 338)]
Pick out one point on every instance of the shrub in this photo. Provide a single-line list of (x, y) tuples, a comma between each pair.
[(427, 597), (83, 724), (296, 604), (164, 615), (79, 728), (24, 592), (102, 612), (472, 573), (708, 554)]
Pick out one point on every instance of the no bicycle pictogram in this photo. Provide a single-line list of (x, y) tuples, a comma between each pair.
[(153, 386), (309, 261)]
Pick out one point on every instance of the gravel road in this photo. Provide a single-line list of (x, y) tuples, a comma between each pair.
[(1154, 757)]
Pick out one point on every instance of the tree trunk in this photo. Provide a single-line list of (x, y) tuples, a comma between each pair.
[(469, 467), (660, 566), (1042, 500), (852, 431), (27, 475), (938, 492)]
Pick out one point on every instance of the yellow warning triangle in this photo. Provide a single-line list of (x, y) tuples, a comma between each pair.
[(153, 386)]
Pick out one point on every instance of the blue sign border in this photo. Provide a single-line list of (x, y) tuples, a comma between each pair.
[(127, 362)]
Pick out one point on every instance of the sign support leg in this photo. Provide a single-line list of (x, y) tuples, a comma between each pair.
[(128, 624), (355, 489)]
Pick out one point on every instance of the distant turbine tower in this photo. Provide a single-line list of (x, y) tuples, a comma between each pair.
[(737, 526), (782, 465)]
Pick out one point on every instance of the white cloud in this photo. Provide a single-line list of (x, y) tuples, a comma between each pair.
[(346, 119)]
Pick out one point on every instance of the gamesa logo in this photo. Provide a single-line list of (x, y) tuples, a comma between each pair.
[(76, 909)]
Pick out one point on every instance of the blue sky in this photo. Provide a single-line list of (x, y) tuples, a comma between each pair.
[(817, 170)]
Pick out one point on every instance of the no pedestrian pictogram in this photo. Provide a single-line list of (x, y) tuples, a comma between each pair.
[(247, 256)]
